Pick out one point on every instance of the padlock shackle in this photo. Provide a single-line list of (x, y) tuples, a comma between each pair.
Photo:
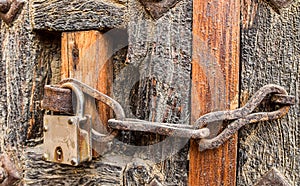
[(79, 96)]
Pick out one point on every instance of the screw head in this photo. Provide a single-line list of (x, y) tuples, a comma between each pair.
[(74, 162), (46, 128), (45, 156), (70, 121)]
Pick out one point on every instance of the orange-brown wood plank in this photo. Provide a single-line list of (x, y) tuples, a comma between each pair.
[(215, 80), (86, 56)]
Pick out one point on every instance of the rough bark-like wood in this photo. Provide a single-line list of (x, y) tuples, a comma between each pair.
[(3, 93), (40, 172), (215, 82), (25, 63), (270, 54), (71, 15), (154, 84)]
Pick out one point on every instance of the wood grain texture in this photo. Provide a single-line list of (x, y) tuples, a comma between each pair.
[(66, 15), (215, 80), (270, 54), (154, 85), (86, 56)]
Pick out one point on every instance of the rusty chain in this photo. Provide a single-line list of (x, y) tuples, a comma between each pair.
[(201, 129), (245, 115)]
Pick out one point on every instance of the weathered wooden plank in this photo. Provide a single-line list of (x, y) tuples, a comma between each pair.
[(71, 15), (215, 79), (35, 61), (154, 85), (86, 56), (270, 54)]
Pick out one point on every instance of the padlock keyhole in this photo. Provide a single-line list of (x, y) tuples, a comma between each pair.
[(58, 154)]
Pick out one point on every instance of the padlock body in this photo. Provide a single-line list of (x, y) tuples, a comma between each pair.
[(65, 141)]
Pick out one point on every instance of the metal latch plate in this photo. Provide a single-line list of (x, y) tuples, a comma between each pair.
[(65, 141)]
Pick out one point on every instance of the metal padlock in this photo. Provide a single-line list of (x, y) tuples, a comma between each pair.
[(67, 139)]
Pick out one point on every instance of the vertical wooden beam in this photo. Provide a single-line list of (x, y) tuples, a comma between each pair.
[(215, 80), (86, 56)]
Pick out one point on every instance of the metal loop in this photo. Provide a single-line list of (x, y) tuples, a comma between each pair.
[(243, 115), (247, 109), (79, 96), (117, 108)]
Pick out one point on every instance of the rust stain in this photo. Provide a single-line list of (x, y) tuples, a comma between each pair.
[(57, 99)]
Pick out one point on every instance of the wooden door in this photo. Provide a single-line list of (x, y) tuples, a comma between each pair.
[(170, 65)]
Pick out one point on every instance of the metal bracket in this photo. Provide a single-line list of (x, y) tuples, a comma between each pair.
[(202, 127), (9, 9)]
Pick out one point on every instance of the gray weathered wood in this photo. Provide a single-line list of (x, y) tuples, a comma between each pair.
[(270, 54), (154, 84), (70, 15)]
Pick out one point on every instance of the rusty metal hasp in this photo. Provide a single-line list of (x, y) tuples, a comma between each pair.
[(67, 139), (203, 126)]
